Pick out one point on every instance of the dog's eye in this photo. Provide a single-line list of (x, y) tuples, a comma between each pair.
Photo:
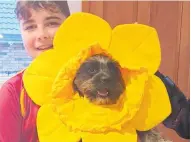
[(92, 70)]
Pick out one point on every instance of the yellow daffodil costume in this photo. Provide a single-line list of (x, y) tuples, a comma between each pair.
[(66, 117)]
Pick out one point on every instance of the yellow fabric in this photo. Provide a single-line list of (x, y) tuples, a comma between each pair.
[(138, 49), (64, 116), (22, 103), (155, 98), (40, 75), (56, 132)]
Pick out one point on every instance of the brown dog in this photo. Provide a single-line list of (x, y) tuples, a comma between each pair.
[(99, 79)]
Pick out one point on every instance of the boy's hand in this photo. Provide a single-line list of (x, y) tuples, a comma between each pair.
[(179, 119)]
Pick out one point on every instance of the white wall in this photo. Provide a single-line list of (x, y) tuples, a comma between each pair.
[(75, 6)]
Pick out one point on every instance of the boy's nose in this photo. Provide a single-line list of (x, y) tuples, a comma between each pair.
[(43, 35)]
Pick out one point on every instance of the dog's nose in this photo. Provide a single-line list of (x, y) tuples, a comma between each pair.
[(105, 79)]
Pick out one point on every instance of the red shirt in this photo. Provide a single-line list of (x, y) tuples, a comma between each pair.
[(13, 126)]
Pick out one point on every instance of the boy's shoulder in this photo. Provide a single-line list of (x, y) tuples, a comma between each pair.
[(15, 81), (16, 78)]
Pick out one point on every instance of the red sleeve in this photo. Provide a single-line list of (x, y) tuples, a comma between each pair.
[(10, 115)]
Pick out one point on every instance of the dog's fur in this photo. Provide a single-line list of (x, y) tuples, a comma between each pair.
[(151, 136), (100, 80)]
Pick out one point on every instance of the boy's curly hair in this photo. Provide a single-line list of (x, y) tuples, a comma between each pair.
[(22, 7)]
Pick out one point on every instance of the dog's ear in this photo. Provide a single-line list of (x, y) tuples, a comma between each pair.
[(75, 88)]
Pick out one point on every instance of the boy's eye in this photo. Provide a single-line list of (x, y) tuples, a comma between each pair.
[(53, 24), (31, 27)]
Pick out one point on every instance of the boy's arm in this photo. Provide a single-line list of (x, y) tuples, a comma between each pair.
[(179, 119), (10, 116)]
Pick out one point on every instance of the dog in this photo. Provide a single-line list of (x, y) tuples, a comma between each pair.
[(100, 80)]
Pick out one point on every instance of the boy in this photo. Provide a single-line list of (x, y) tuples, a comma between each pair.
[(39, 21)]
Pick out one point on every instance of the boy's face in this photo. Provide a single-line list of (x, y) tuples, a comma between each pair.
[(38, 31)]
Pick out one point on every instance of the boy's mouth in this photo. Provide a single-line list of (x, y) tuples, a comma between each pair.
[(44, 47)]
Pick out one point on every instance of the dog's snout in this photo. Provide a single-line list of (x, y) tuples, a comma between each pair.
[(105, 78)]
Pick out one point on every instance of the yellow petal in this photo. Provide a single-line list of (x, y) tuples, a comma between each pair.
[(136, 46), (135, 83), (79, 31), (40, 74), (51, 129), (155, 106)]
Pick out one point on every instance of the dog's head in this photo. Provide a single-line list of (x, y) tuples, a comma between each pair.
[(100, 80)]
